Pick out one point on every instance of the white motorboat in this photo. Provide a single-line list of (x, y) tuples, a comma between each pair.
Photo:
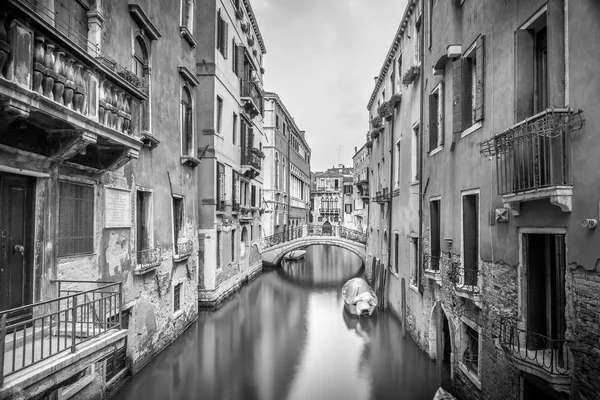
[(359, 298), (295, 255)]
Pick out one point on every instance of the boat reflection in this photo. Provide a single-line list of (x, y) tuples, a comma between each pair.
[(322, 268)]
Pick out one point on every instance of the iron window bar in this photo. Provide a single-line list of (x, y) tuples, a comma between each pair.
[(465, 279)]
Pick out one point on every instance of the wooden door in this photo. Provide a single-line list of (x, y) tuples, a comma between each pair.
[(16, 242)]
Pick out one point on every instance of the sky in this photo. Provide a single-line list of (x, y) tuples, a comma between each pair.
[(322, 57)]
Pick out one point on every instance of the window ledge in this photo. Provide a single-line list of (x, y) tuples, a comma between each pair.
[(138, 271), (181, 258), (190, 160), (149, 140), (177, 314), (436, 150), (415, 182), (412, 287), (470, 375), (395, 274), (472, 129), (185, 33), (560, 196)]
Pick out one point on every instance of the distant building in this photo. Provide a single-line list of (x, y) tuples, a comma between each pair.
[(286, 193), (327, 195), (360, 195), (230, 138)]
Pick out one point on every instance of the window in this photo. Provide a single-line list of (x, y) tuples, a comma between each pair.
[(533, 53), (140, 58), (470, 349), (219, 249), (143, 226), (76, 219), (336, 184), (397, 167), (470, 239), (436, 117), (235, 190), (417, 40), (187, 14), (222, 36), (187, 137), (468, 83), (435, 241), (414, 261), (219, 113), (71, 19), (232, 245), (234, 133), (253, 196), (414, 155), (276, 170), (396, 245), (347, 189), (115, 363), (234, 57), (277, 121), (177, 297), (221, 192), (348, 208), (177, 221)]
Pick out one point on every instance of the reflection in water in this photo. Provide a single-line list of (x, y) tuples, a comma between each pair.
[(279, 338)]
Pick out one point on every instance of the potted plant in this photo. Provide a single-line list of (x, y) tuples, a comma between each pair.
[(386, 110), (250, 41), (410, 75), (376, 121), (396, 99), (239, 14)]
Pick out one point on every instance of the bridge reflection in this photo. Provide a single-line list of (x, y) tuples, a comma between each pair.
[(323, 267)]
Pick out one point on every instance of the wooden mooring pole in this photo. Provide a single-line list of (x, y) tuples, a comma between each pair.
[(403, 292)]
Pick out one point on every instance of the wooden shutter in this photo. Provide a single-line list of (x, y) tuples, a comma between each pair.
[(524, 74), (244, 138), (433, 127), (235, 188), (480, 69), (457, 97), (219, 29), (225, 39), (440, 113), (250, 143), (467, 93), (239, 69), (233, 56), (189, 132)]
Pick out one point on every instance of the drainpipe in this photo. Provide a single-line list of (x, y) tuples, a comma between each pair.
[(420, 155), (289, 175), (390, 208)]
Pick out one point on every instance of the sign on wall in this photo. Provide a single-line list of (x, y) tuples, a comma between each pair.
[(117, 208)]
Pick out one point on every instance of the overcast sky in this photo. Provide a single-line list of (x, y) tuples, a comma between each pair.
[(322, 56)]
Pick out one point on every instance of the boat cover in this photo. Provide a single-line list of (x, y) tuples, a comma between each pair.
[(357, 289)]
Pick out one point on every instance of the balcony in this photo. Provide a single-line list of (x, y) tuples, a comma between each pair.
[(363, 189), (183, 250), (251, 97), (83, 312), (382, 196), (251, 162), (245, 214), (537, 354), (465, 280), (329, 211), (533, 159), (147, 260), (61, 102), (431, 267)]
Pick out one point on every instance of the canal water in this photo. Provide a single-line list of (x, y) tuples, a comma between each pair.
[(286, 336)]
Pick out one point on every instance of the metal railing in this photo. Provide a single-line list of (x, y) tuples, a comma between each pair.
[(431, 264), (465, 279), (184, 249), (320, 230), (382, 196), (149, 258), (251, 158), (549, 355), (35, 332), (282, 237), (309, 230), (351, 234), (325, 210), (250, 89), (536, 152)]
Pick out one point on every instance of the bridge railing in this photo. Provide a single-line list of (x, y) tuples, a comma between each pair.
[(313, 230)]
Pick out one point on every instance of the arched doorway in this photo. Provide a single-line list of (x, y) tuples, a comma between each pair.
[(243, 242), (327, 230), (440, 341)]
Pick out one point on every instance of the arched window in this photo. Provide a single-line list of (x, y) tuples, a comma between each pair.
[(276, 170), (187, 139), (335, 204), (283, 175), (140, 58)]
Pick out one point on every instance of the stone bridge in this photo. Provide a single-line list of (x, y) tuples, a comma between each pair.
[(273, 248)]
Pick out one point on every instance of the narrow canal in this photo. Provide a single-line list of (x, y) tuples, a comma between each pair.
[(286, 336)]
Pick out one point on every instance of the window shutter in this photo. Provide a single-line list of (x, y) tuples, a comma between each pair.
[(240, 60), (467, 93), (457, 96), (219, 29), (244, 138), (189, 132), (225, 39), (480, 68), (433, 128), (234, 188), (233, 56), (440, 114), (250, 142)]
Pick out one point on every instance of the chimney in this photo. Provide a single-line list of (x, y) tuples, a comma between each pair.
[(375, 79), (355, 149)]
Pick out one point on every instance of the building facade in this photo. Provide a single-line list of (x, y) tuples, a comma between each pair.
[(229, 142), (327, 196), (360, 195), (502, 291), (286, 192), (98, 202)]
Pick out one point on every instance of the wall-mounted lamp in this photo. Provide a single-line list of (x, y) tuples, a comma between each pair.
[(449, 241), (589, 223)]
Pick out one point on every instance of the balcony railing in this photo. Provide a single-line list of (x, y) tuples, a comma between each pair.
[(252, 98), (329, 211), (465, 279), (382, 196), (282, 237), (149, 258), (245, 214), (184, 249), (533, 352), (353, 235), (431, 264), (250, 158), (76, 87), (534, 153), (36, 332)]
